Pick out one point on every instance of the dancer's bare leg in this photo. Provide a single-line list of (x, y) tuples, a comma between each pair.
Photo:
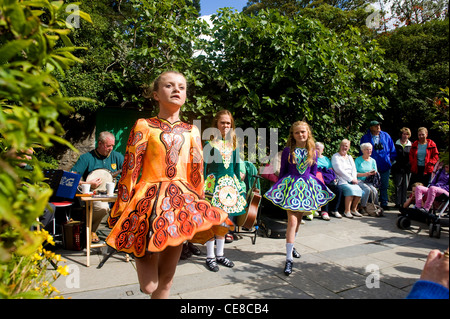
[(156, 271)]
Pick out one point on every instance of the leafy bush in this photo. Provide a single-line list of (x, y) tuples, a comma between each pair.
[(34, 43), (271, 70)]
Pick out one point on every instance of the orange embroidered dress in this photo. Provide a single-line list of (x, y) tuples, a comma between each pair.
[(162, 206)]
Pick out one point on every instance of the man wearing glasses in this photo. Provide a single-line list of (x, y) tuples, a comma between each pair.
[(383, 153)]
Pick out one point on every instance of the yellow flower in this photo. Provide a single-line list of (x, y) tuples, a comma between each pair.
[(36, 257), (58, 258), (63, 270), (48, 254), (45, 236), (50, 240), (33, 273), (53, 289)]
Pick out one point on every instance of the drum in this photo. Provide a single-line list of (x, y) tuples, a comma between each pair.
[(105, 175)]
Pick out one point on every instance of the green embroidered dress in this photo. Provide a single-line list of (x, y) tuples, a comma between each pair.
[(222, 177)]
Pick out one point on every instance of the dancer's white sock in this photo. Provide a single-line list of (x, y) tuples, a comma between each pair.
[(289, 249), (220, 243), (210, 249)]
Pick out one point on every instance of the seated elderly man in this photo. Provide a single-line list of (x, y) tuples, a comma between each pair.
[(102, 157)]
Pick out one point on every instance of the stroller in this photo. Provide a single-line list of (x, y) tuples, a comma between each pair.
[(436, 218)]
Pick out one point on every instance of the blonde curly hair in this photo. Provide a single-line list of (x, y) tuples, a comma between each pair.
[(310, 143)]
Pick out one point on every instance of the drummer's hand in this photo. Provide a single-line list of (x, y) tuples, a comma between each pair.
[(95, 183)]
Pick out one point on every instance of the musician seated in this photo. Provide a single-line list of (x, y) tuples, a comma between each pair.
[(102, 157)]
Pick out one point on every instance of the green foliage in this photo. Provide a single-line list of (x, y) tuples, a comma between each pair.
[(99, 76), (337, 19), (34, 44), (416, 11), (154, 36), (334, 14), (268, 69), (419, 55), (128, 44), (441, 117), (271, 70)]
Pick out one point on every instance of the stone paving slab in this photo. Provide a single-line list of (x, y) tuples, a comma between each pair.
[(338, 258)]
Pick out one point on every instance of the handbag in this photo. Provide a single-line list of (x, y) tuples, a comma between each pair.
[(374, 179), (374, 210)]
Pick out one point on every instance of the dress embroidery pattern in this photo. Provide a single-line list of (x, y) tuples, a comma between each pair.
[(173, 140), (222, 181), (301, 155), (135, 225), (197, 166), (298, 189), (163, 207), (226, 151), (227, 195)]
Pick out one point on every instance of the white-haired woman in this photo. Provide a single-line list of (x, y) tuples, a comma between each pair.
[(345, 170), (365, 167)]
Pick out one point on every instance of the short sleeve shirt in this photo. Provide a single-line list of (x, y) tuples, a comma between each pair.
[(92, 160)]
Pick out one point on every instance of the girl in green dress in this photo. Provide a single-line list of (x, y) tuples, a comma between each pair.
[(222, 181)]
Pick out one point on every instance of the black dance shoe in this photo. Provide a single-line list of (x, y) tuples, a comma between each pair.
[(212, 264), (295, 253), (288, 267), (185, 253), (225, 261), (193, 249)]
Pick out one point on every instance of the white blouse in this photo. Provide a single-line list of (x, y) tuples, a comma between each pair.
[(344, 167)]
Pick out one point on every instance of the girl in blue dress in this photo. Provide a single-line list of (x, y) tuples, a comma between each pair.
[(298, 190)]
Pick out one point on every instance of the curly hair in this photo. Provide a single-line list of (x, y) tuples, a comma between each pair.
[(310, 142)]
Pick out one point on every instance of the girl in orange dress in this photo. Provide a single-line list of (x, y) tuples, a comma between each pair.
[(160, 194)]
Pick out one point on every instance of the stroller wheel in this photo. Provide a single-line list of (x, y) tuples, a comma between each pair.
[(398, 221), (403, 222), (438, 231), (430, 230), (434, 230)]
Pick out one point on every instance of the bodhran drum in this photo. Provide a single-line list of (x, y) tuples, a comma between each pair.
[(104, 174)]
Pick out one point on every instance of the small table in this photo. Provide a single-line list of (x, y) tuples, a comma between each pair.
[(89, 200)]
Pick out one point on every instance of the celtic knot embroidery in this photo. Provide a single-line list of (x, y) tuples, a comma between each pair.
[(300, 157), (135, 227), (173, 139), (226, 151)]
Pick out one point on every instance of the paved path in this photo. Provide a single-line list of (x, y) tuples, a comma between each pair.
[(341, 258)]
